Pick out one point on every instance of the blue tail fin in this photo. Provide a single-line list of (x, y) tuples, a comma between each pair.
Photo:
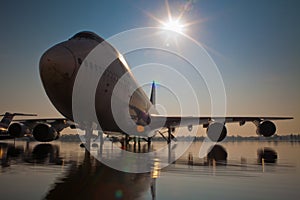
[(153, 94)]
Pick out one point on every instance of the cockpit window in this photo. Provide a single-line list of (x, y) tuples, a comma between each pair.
[(88, 35)]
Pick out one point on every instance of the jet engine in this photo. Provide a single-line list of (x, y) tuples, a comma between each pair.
[(45, 133), (18, 130), (266, 128), (216, 131)]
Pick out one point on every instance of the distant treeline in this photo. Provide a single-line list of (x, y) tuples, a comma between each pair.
[(291, 137)]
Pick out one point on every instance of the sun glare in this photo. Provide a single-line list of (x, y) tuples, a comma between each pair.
[(173, 25)]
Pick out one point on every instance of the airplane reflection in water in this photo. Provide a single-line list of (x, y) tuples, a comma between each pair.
[(218, 156), (50, 154), (266, 155), (86, 177), (40, 154), (94, 180)]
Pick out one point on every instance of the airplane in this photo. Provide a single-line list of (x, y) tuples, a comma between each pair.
[(60, 64), (10, 129), (6, 121)]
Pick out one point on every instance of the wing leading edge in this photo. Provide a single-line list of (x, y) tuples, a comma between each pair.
[(175, 121)]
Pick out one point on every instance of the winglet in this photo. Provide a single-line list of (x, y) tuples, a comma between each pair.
[(153, 94)]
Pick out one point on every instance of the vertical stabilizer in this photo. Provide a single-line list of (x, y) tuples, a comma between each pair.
[(7, 118), (153, 93)]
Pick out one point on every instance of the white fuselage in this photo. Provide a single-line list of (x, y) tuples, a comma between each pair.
[(59, 66)]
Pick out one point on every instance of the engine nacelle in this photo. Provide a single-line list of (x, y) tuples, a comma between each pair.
[(18, 130), (44, 133), (266, 128), (216, 131)]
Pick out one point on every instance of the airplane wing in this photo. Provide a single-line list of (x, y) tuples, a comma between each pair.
[(216, 124), (63, 122), (216, 129), (43, 130), (175, 121)]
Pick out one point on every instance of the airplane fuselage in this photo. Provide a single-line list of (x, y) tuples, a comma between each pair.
[(60, 64)]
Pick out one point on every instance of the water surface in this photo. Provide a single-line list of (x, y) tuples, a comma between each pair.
[(232, 170)]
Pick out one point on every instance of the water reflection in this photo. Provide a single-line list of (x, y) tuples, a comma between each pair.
[(94, 180), (217, 156), (50, 154), (8, 152), (84, 177), (45, 153), (40, 154), (266, 155)]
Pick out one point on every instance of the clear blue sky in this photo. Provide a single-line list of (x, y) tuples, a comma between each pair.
[(255, 44)]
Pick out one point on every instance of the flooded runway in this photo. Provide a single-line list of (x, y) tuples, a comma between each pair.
[(232, 170)]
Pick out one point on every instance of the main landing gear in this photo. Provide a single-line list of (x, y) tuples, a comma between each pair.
[(125, 142), (170, 136)]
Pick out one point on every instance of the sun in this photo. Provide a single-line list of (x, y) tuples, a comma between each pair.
[(173, 25)]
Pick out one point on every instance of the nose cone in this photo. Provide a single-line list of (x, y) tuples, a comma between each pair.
[(57, 66), (58, 63)]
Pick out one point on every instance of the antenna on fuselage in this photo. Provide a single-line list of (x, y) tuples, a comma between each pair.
[(153, 93)]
